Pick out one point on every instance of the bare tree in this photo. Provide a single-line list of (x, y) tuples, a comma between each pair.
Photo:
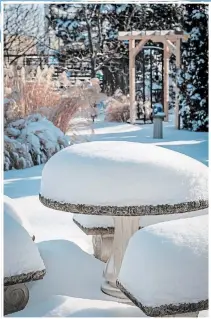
[(24, 30)]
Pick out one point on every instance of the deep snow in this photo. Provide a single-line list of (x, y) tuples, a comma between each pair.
[(63, 306), (65, 249), (171, 263)]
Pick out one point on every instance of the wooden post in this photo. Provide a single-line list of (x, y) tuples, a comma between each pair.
[(132, 81), (178, 58), (166, 80)]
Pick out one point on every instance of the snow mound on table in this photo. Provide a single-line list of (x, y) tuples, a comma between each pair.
[(31, 141), (10, 207), (96, 221), (167, 263), (63, 306), (122, 174), (21, 255)]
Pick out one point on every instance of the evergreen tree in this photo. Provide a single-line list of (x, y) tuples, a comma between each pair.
[(193, 81)]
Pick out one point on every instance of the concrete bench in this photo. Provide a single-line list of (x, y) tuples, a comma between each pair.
[(22, 264), (165, 268), (11, 208), (102, 228)]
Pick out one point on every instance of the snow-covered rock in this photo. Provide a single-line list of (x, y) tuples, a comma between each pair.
[(114, 173), (165, 267), (31, 141), (21, 255), (10, 207), (63, 306)]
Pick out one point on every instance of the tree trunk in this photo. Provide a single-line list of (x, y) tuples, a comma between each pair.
[(93, 66)]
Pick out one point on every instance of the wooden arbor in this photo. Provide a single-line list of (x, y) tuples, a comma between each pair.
[(171, 45)]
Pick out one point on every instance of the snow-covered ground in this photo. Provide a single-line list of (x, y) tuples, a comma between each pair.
[(72, 271), (193, 144)]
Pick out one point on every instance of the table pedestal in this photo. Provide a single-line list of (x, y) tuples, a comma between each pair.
[(125, 227)]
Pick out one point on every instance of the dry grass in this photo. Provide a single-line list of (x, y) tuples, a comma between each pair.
[(28, 94), (117, 108)]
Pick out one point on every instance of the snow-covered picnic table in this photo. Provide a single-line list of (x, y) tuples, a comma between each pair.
[(22, 260), (125, 180), (175, 254)]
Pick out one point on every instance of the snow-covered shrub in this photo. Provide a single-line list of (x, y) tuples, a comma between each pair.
[(31, 141), (12, 111), (117, 108)]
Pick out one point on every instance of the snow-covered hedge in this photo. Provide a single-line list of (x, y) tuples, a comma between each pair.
[(31, 141), (193, 76)]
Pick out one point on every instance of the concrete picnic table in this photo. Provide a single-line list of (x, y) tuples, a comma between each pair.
[(124, 180)]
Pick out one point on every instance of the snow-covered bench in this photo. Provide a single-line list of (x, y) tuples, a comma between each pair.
[(102, 228), (10, 207), (22, 263), (165, 268)]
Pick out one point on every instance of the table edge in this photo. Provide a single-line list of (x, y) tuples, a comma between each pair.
[(141, 210)]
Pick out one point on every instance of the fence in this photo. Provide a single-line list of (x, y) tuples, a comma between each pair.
[(75, 71)]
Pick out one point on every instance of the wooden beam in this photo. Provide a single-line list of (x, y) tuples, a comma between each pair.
[(154, 38), (166, 81), (150, 32), (178, 61), (132, 81), (171, 46), (139, 46)]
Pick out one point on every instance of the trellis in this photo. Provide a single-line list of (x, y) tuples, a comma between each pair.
[(171, 40)]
